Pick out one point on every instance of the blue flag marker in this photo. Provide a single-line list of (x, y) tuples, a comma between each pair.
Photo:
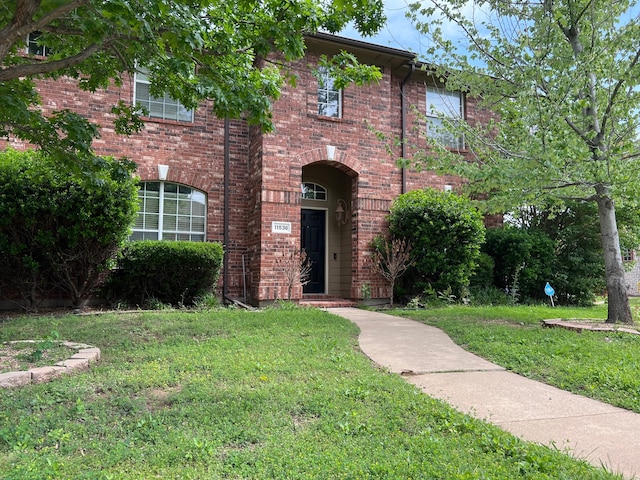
[(548, 289)]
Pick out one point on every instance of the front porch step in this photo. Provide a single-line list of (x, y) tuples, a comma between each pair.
[(324, 301)]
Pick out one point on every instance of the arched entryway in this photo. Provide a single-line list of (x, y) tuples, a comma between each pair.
[(326, 227)]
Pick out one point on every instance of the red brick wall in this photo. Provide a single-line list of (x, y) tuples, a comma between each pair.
[(266, 169), (300, 139), (193, 151)]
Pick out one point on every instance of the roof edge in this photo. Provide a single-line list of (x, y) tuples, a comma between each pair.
[(350, 42)]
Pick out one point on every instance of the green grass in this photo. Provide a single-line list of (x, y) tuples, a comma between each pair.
[(600, 365), (234, 395)]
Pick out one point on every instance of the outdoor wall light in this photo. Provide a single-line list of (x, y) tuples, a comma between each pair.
[(163, 170), (342, 212)]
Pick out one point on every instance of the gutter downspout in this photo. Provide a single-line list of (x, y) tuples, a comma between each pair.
[(403, 121), (225, 221)]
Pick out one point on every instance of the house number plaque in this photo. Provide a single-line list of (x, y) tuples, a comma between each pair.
[(281, 227)]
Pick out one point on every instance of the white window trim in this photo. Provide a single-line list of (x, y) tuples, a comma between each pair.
[(323, 77), (160, 230), (316, 188), (137, 79), (439, 116), (46, 51)]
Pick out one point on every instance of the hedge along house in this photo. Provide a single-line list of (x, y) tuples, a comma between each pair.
[(321, 181)]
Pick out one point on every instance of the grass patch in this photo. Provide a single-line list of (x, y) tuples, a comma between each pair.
[(600, 365), (244, 395)]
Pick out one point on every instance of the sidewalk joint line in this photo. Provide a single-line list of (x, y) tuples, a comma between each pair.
[(413, 373)]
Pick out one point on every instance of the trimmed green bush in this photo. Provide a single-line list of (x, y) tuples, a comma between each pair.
[(165, 272), (60, 229), (445, 232)]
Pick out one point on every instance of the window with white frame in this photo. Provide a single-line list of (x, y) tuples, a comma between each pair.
[(163, 107), (444, 107), (329, 97), (35, 46), (313, 191), (169, 211)]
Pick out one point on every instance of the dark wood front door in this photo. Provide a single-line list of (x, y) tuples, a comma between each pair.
[(312, 240)]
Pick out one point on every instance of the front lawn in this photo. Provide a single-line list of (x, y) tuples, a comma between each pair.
[(600, 365), (280, 394)]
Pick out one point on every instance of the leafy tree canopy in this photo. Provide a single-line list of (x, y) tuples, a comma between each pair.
[(563, 78), (227, 52)]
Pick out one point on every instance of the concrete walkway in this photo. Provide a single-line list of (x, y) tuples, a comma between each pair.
[(585, 428)]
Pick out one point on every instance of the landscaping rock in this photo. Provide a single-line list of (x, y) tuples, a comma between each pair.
[(79, 361), (44, 374), (74, 364), (14, 379), (93, 354)]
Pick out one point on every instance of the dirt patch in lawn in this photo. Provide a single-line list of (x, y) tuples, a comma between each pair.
[(20, 356)]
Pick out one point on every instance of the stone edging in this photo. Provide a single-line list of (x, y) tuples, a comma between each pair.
[(577, 326), (85, 355)]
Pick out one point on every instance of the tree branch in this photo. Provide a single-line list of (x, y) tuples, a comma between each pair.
[(22, 22), (17, 71), (616, 89)]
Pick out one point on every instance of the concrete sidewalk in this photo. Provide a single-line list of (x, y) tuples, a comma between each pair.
[(588, 429)]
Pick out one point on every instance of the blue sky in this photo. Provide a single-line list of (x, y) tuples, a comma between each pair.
[(397, 33), (400, 33)]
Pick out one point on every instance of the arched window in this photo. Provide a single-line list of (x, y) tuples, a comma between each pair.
[(313, 191), (169, 211)]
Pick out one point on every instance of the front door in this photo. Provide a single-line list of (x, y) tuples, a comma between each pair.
[(312, 240)]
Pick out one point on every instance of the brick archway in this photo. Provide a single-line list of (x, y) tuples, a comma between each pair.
[(177, 174), (341, 161), (339, 227)]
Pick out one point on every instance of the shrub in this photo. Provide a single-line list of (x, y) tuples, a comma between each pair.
[(577, 270), (391, 258), (483, 273), (165, 272), (445, 233), (59, 229), (523, 261)]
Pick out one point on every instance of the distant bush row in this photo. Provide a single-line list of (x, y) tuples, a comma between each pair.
[(454, 258)]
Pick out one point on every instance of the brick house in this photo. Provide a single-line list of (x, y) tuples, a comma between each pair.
[(632, 274), (322, 180)]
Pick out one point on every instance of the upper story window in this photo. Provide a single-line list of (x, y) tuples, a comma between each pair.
[(313, 191), (168, 211), (329, 97), (628, 255), (35, 46), (444, 106), (163, 107)]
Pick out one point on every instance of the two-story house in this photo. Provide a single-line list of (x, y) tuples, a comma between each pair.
[(322, 180)]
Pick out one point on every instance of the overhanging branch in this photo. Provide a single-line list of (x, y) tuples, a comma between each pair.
[(22, 22), (41, 68)]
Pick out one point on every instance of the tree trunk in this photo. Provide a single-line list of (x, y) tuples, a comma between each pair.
[(619, 310)]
